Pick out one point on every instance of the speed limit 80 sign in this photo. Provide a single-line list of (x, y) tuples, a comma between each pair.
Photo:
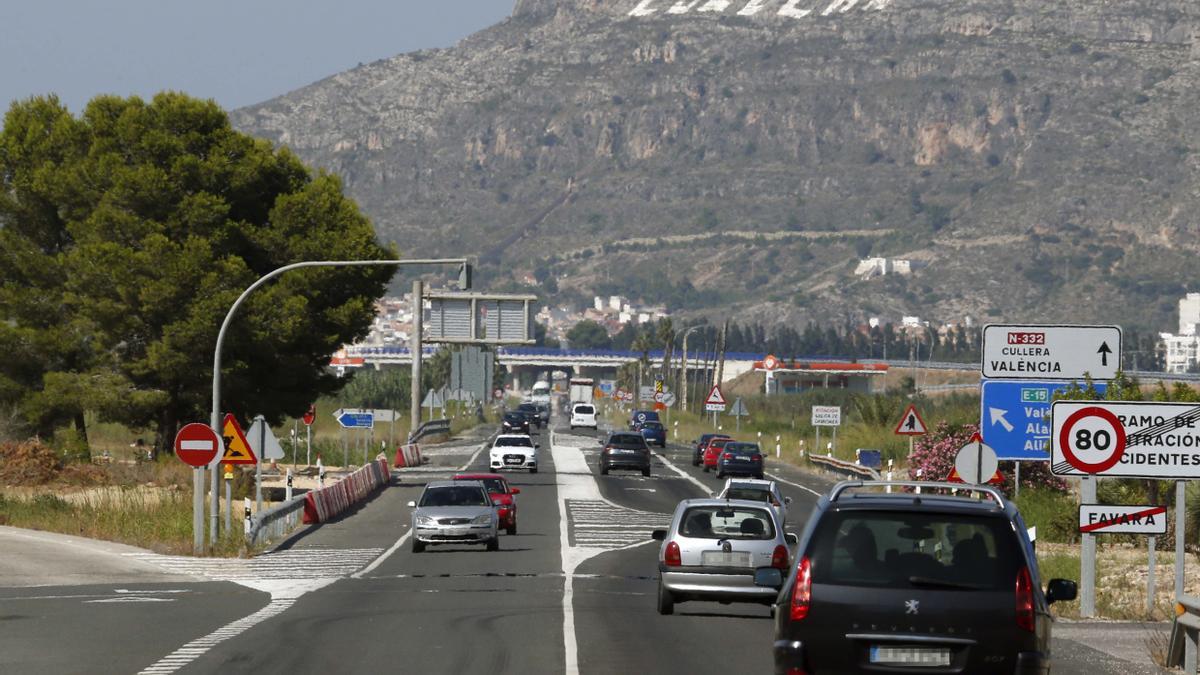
[(1125, 439)]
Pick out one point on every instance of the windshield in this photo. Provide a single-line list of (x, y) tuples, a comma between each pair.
[(584, 410), (514, 442), (627, 441), (514, 417), (883, 548), (455, 495), (527, 407), (490, 484), (726, 522), (742, 448), (751, 494), (653, 426)]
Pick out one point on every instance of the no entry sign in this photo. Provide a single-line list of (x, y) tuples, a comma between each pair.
[(197, 444), (1125, 439), (1106, 519)]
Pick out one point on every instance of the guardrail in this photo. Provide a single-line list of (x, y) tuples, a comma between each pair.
[(431, 428), (275, 522), (848, 468), (1185, 634)]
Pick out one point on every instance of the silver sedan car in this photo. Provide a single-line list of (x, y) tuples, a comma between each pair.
[(714, 548), (455, 512)]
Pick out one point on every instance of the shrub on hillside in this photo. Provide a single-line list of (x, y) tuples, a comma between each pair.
[(28, 463)]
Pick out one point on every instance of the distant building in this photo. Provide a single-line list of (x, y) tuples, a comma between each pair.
[(878, 267), (1182, 351), (1189, 314)]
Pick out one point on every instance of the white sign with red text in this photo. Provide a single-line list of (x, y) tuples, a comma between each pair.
[(1108, 519), (1045, 352)]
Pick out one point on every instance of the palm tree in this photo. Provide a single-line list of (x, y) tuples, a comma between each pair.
[(666, 336), (642, 343)]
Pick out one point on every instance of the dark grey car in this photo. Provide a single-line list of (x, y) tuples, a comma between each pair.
[(455, 512), (625, 450), (902, 581)]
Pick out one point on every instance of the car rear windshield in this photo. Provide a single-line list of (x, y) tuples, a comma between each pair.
[(750, 494), (911, 549), (742, 448), (514, 442), (653, 425), (584, 410), (627, 441), (492, 484), (726, 522), (467, 495)]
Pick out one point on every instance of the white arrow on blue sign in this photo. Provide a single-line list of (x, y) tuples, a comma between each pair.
[(355, 419), (1015, 417)]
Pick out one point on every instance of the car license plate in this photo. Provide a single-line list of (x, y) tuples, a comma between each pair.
[(514, 460), (910, 656), (725, 559)]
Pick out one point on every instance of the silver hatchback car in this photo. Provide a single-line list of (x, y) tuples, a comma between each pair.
[(713, 549)]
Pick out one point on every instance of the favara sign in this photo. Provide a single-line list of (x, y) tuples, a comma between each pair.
[(794, 9)]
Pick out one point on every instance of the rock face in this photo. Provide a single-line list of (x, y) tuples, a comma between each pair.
[(1039, 160)]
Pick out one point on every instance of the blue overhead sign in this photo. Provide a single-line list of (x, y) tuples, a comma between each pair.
[(1015, 417)]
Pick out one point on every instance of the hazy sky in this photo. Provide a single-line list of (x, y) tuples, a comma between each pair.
[(235, 51)]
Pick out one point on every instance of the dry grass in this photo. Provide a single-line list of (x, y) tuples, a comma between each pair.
[(1121, 575)]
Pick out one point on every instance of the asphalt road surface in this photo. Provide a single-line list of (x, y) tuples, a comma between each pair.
[(573, 591)]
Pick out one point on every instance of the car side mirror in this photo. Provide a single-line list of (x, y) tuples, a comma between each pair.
[(768, 577), (600, 441), (515, 491), (787, 500), (412, 505), (1061, 590), (791, 538), (659, 535), (537, 446)]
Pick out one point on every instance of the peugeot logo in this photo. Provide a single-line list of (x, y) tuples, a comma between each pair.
[(912, 606), (727, 547)]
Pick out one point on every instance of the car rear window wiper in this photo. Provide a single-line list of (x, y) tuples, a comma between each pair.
[(943, 583)]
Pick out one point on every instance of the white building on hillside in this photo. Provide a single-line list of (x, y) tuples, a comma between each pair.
[(1183, 350)]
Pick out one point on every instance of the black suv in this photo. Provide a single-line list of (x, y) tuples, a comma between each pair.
[(625, 450), (515, 423), (907, 581), (530, 411)]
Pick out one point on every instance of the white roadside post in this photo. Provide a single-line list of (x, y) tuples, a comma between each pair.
[(214, 418), (288, 496), (778, 447), (246, 505), (228, 496)]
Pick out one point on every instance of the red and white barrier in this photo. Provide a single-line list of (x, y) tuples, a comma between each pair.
[(408, 455), (321, 505)]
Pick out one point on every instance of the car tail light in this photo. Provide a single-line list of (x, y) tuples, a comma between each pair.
[(757, 458), (802, 591), (728, 455), (779, 559), (672, 557), (1025, 600), (796, 670)]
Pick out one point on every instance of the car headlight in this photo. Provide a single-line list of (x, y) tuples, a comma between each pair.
[(482, 520), (424, 521)]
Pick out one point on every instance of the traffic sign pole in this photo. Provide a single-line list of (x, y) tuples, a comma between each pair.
[(197, 511), (1087, 558)]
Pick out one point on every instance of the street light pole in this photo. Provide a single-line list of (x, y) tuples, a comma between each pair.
[(214, 418), (684, 386)]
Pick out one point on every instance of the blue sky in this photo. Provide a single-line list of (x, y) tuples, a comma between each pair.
[(235, 51)]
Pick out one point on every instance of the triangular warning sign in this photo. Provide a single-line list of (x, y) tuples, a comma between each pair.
[(715, 397), (997, 479), (237, 449), (911, 423)]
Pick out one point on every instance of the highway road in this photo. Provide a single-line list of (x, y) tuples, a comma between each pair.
[(573, 591)]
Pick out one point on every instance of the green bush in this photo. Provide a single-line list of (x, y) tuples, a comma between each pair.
[(1054, 513)]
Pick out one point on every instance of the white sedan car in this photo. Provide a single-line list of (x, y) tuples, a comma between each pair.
[(514, 451), (755, 490)]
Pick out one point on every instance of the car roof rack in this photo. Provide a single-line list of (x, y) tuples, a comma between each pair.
[(843, 486)]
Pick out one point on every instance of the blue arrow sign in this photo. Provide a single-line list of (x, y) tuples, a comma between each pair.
[(1015, 417), (359, 420)]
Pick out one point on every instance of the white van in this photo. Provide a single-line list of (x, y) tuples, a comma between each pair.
[(583, 415)]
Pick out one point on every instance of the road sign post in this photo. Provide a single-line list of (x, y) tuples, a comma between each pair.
[(826, 416), (197, 445), (1051, 352)]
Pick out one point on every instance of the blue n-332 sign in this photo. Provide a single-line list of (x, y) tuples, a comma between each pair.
[(1015, 417)]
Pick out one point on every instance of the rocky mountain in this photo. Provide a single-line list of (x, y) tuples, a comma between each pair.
[(1033, 159)]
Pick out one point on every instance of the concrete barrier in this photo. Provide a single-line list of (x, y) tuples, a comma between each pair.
[(321, 505), (408, 455)]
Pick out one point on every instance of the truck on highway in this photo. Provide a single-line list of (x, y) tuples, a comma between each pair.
[(540, 392), (581, 390)]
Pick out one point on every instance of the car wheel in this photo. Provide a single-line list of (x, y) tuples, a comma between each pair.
[(759, 476), (706, 469), (720, 476), (493, 544), (603, 470), (646, 472), (510, 531), (666, 601), (533, 470), (417, 546)]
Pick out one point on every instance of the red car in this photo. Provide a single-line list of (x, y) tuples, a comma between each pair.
[(502, 496), (712, 451)]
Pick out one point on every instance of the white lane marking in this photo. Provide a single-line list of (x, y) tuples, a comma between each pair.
[(640, 490), (570, 648), (193, 650), (475, 456), (788, 482), (671, 465), (386, 554), (130, 598)]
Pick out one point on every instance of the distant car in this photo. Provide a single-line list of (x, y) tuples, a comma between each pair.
[(625, 450), (753, 490), (583, 415), (929, 583), (654, 433), (503, 496), (740, 459), (514, 451), (454, 513), (712, 451), (515, 423), (701, 444), (530, 410), (713, 550), (639, 417), (543, 413)]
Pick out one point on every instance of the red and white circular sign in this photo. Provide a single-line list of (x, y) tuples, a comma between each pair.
[(770, 363), (310, 416), (1092, 440), (197, 444)]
